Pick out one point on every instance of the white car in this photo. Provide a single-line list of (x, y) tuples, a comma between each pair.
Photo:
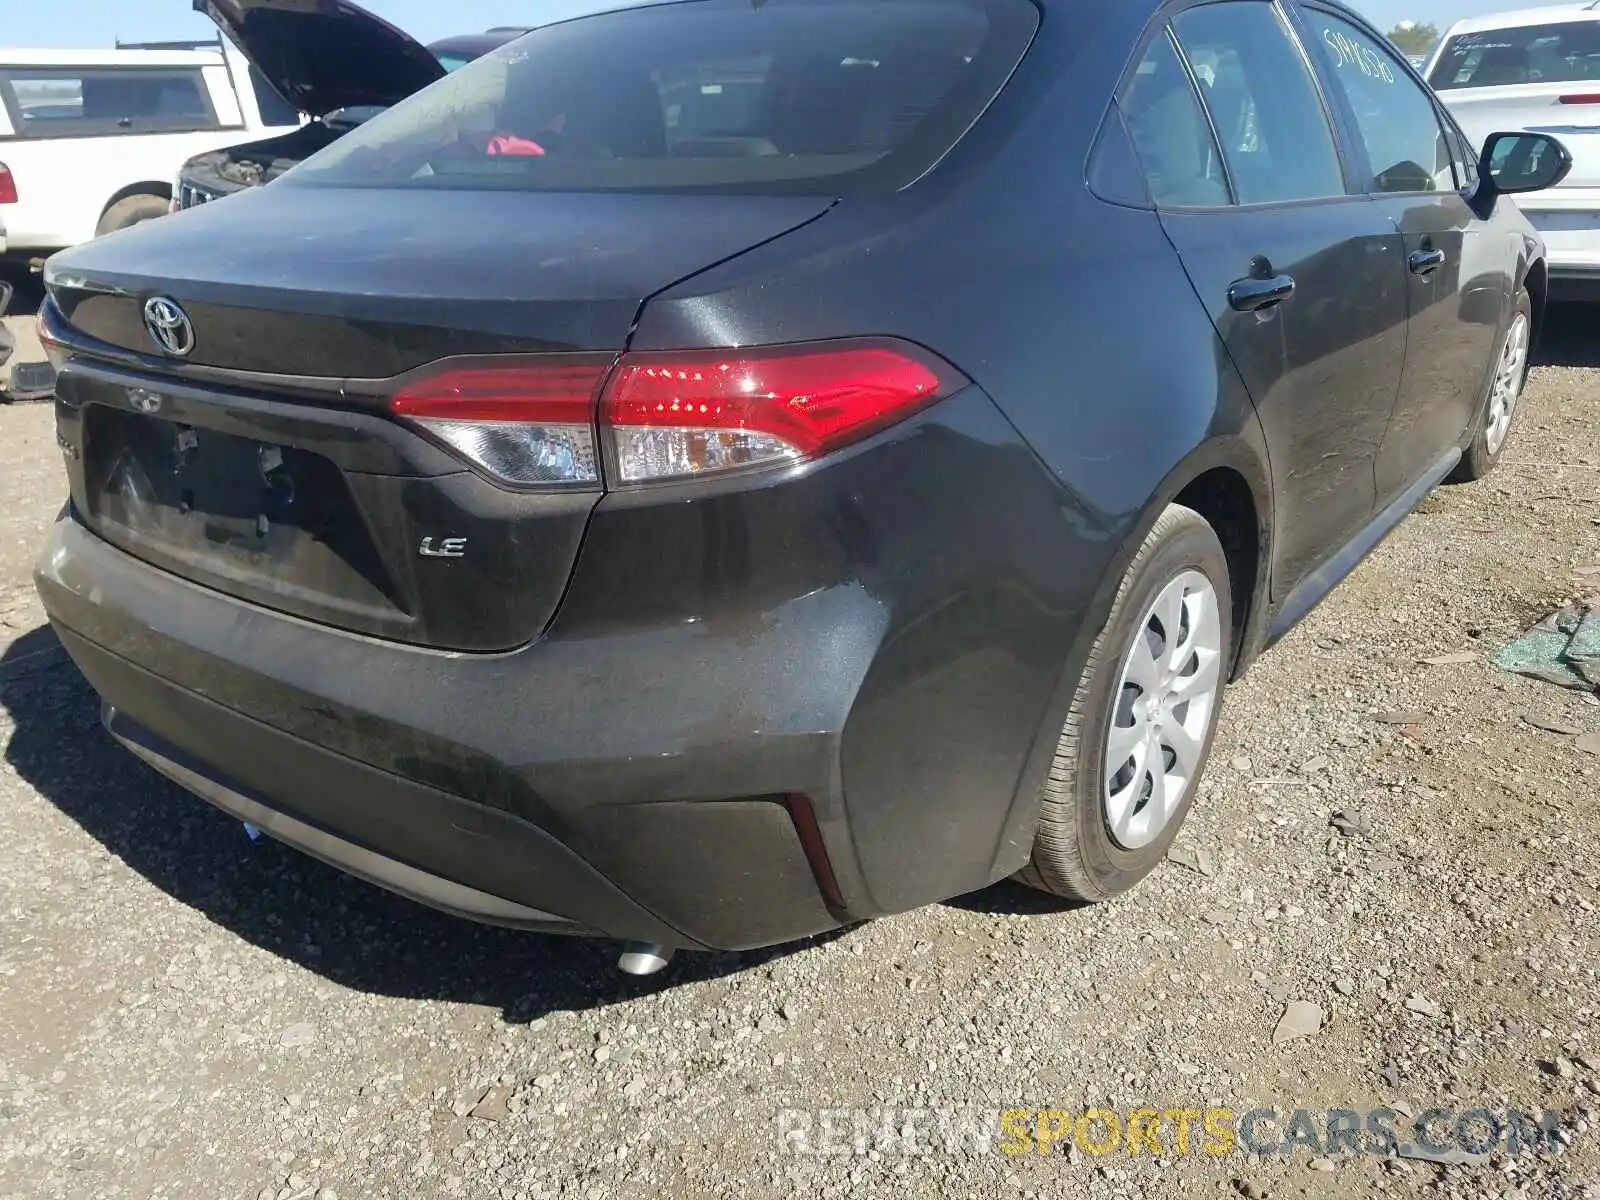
[(1537, 69), (90, 140)]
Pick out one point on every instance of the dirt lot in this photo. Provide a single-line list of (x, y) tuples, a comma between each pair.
[(186, 1013)]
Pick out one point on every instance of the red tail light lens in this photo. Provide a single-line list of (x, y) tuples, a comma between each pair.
[(525, 426), (8, 185), (672, 415), (1582, 98), (54, 348), (681, 414)]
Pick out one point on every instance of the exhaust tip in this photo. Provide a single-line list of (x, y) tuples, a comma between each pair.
[(643, 958)]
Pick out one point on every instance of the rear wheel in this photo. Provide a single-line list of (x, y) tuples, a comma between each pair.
[(1505, 389), (1134, 745), (131, 210)]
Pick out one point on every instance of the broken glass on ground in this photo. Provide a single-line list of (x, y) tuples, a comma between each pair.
[(1563, 649)]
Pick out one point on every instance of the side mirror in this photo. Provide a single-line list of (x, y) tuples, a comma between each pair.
[(1523, 162)]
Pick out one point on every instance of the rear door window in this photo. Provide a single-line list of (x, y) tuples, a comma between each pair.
[(1263, 102), (69, 101), (818, 96), (1568, 52)]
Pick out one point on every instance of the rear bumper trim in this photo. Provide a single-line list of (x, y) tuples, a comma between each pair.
[(375, 868)]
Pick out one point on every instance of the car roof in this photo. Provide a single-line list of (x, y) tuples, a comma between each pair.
[(554, 12), (475, 44), (1518, 18), (23, 57)]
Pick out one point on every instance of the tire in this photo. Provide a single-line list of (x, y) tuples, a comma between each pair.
[(1076, 853), (1500, 406), (131, 210)]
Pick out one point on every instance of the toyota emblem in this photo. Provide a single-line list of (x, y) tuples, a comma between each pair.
[(169, 326)]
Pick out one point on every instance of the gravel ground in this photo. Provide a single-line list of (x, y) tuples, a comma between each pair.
[(186, 1013)]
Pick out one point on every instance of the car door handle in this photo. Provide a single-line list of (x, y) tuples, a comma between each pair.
[(1425, 262), (1252, 293)]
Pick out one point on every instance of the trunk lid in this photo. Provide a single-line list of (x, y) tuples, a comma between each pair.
[(369, 283), (324, 55), (265, 463), (1569, 112)]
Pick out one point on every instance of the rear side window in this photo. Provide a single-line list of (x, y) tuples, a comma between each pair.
[(1181, 161), (822, 96), (1263, 102), (1564, 53), (67, 101)]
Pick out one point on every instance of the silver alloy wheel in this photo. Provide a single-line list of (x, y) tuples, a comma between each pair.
[(1507, 386), (1166, 699)]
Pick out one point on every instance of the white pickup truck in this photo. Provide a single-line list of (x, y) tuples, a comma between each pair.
[(90, 140)]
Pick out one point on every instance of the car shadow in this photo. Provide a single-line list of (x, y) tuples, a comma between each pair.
[(345, 930), (1568, 338), (1012, 899)]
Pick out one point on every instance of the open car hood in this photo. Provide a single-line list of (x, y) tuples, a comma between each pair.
[(323, 55)]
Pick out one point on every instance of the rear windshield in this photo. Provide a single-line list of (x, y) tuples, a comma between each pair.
[(1564, 53), (822, 96), (77, 101)]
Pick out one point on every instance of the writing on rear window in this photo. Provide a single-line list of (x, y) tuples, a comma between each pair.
[(1568, 52)]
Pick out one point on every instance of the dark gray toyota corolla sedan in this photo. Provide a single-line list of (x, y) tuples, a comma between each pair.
[(710, 472)]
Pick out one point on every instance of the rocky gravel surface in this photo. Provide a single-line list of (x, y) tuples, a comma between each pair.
[(1385, 896)]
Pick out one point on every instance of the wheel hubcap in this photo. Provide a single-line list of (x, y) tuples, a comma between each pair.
[(1166, 699), (1507, 384)]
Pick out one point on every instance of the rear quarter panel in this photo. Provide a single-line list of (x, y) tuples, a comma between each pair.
[(1076, 318)]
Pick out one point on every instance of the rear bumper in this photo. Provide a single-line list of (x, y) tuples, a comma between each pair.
[(347, 855), (1571, 234), (756, 716), (393, 801)]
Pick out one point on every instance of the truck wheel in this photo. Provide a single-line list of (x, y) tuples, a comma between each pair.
[(1129, 758), (131, 210)]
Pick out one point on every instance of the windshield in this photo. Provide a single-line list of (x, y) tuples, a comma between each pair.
[(723, 95), (1564, 53)]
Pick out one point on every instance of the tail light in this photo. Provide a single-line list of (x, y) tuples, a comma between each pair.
[(673, 415), (677, 414), (522, 425), (54, 348), (8, 185), (1582, 98)]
